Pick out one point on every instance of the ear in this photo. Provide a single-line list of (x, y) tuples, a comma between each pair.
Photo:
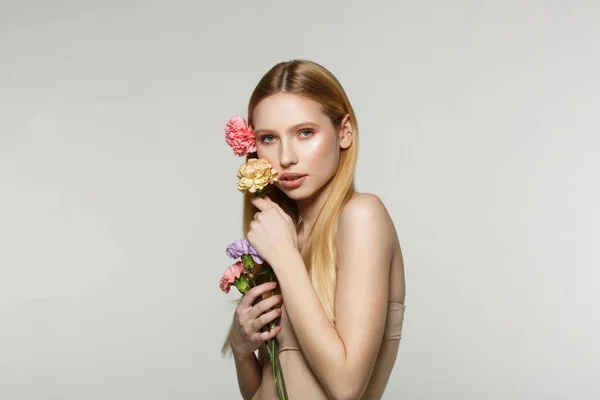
[(346, 133)]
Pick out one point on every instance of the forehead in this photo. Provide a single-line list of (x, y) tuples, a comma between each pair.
[(282, 110)]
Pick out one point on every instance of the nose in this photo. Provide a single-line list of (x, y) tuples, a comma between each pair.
[(288, 154)]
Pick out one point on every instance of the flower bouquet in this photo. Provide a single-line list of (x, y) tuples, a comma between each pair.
[(253, 176)]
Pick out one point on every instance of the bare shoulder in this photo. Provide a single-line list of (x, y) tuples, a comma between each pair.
[(368, 213), (363, 205)]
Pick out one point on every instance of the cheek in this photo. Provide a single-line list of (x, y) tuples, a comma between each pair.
[(267, 155), (322, 154)]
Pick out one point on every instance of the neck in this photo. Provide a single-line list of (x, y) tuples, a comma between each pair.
[(308, 209)]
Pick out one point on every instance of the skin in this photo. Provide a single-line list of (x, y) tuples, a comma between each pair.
[(246, 336), (342, 356), (312, 149)]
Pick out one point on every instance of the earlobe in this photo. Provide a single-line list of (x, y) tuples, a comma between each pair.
[(346, 140)]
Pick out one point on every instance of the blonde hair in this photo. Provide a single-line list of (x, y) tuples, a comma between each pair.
[(311, 80)]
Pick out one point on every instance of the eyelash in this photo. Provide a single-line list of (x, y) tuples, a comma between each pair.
[(262, 139)]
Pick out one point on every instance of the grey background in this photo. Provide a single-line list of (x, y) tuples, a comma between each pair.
[(479, 126)]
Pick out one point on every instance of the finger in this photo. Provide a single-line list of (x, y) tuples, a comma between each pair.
[(278, 208), (260, 203), (265, 319), (250, 297), (265, 305), (270, 334)]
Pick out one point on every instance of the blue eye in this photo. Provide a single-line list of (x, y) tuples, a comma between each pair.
[(305, 133), (306, 130), (262, 139)]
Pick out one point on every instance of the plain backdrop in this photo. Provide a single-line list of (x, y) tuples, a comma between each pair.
[(479, 126)]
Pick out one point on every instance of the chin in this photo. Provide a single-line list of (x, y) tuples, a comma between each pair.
[(294, 194), (298, 194)]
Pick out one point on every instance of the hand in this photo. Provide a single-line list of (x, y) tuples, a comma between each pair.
[(246, 336), (272, 231)]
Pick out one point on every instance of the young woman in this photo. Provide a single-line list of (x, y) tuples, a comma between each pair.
[(335, 251)]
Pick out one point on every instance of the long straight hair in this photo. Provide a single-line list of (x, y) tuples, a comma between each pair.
[(311, 80)]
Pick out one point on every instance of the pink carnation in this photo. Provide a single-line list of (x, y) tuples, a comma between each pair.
[(232, 273), (239, 136)]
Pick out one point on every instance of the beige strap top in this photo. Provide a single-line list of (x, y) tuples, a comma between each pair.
[(301, 383)]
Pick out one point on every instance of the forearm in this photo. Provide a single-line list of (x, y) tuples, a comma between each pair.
[(321, 345), (249, 374)]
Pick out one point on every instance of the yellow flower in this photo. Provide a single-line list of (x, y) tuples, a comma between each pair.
[(255, 174)]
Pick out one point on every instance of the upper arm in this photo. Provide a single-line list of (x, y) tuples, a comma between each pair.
[(365, 243)]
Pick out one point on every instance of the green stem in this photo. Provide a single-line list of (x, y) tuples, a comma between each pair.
[(273, 348), (274, 372), (282, 394), (280, 370), (273, 367), (274, 357)]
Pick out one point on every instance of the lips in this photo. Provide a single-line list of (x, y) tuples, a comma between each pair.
[(290, 176), (289, 183)]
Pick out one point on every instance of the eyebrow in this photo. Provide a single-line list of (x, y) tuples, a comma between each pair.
[(293, 128)]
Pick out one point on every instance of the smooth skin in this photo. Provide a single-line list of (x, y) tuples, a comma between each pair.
[(246, 337), (248, 319), (342, 357), (294, 135)]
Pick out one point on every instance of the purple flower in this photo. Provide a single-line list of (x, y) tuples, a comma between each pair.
[(241, 247)]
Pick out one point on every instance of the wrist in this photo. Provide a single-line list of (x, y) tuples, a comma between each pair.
[(283, 256), (242, 356)]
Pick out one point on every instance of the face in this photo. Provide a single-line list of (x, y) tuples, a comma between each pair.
[(295, 136)]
